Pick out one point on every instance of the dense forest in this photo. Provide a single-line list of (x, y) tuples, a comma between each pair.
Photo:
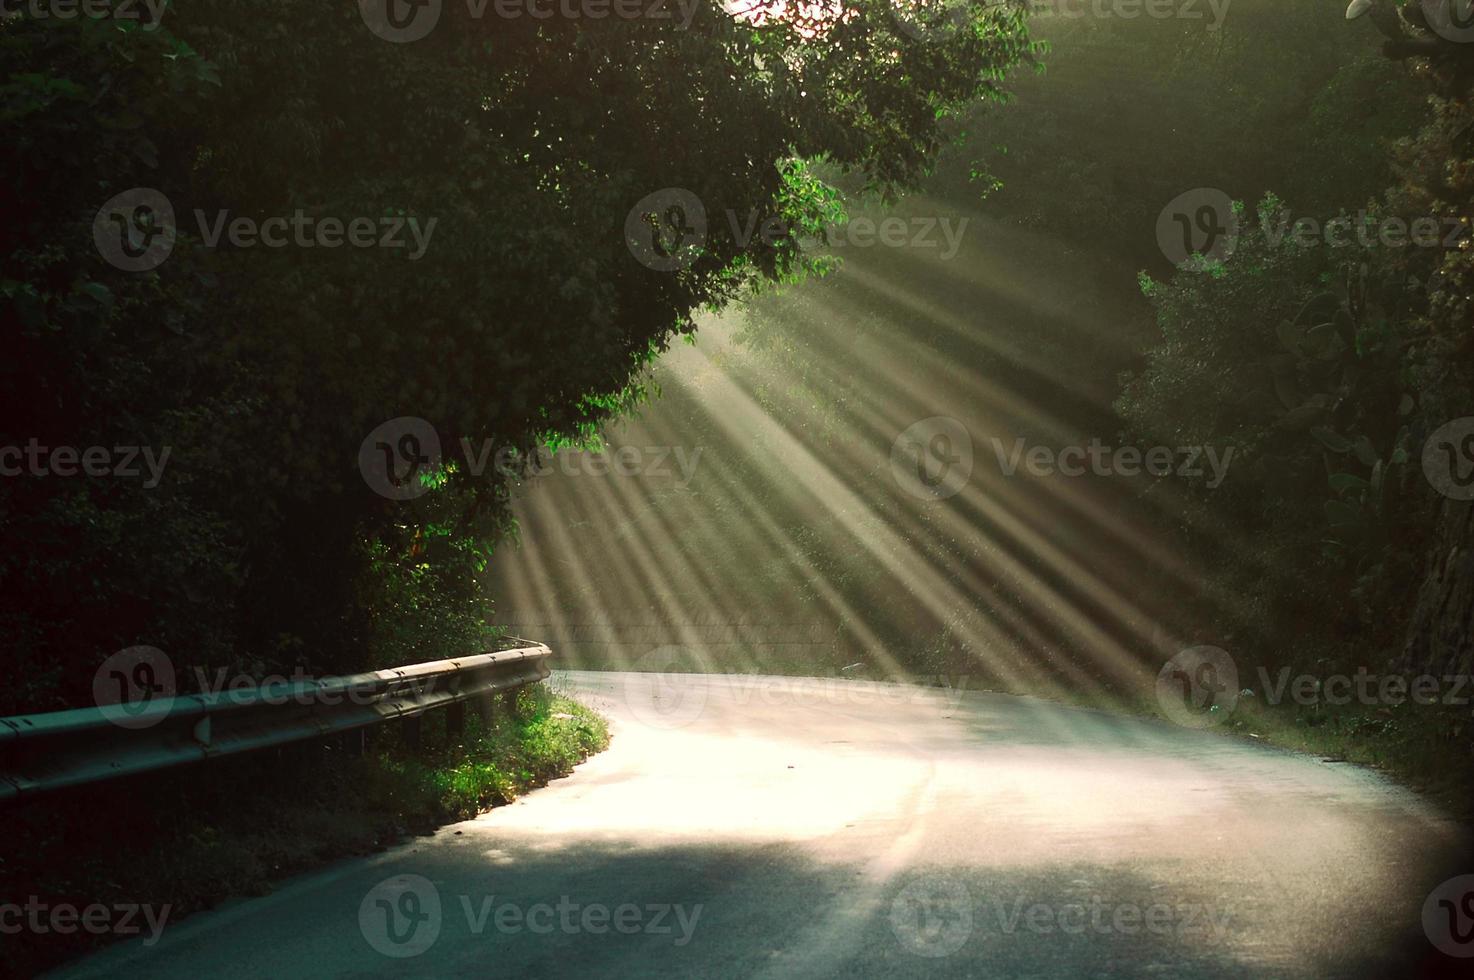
[(253, 540), (1316, 357), (491, 293), (744, 337)]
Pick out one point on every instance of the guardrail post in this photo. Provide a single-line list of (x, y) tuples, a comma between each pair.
[(354, 742), (509, 702), (412, 730), (455, 720), (485, 709)]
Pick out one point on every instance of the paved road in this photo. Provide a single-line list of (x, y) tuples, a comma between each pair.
[(782, 827)]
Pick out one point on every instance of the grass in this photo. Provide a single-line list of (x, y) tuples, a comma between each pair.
[(255, 819), (1427, 748)]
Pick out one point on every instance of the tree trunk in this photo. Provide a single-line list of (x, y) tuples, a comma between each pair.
[(1440, 635)]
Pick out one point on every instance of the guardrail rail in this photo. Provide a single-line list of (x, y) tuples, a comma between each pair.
[(56, 750)]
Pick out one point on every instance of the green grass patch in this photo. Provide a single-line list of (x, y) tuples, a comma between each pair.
[(191, 838)]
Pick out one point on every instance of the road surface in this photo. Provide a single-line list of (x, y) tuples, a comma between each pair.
[(784, 827)]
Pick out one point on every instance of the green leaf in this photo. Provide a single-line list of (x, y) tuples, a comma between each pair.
[(1291, 335), (1331, 439), (98, 292), (1343, 482)]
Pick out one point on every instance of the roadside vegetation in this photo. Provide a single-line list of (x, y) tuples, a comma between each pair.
[(1324, 367), (255, 820)]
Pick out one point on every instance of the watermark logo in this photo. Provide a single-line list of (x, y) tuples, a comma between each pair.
[(63, 918), (919, 232), (932, 459), (1448, 459), (932, 916), (34, 459), (1199, 687), (1452, 20), (1448, 917), (1213, 10), (135, 688), (400, 916), (309, 231), (401, 21), (1129, 461), (665, 230), (931, 21), (667, 688), (1202, 222), (90, 9), (135, 231), (130, 683), (1364, 687), (398, 455)]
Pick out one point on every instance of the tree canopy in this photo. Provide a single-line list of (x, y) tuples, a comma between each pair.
[(480, 182)]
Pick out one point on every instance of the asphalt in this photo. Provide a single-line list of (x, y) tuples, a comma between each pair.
[(787, 827)]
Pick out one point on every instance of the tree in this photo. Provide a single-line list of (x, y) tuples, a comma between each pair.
[(520, 314)]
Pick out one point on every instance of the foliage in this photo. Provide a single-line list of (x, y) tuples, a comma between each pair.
[(526, 321), (1278, 96)]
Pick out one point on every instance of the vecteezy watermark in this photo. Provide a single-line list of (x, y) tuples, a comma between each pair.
[(131, 685), (403, 917), (1205, 222), (935, 915), (309, 231), (1158, 461), (401, 458), (135, 231), (932, 20), (1364, 687), (1214, 11), (90, 9), (1448, 917), (667, 688), (64, 919), (667, 231), (932, 916), (1100, 917), (1201, 221), (1452, 20), (932, 459), (1199, 687), (35, 459), (1448, 459), (403, 21), (135, 688)]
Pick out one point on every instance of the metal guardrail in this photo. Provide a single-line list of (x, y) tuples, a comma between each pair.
[(60, 749)]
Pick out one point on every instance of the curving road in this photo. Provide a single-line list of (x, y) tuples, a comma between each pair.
[(786, 827)]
